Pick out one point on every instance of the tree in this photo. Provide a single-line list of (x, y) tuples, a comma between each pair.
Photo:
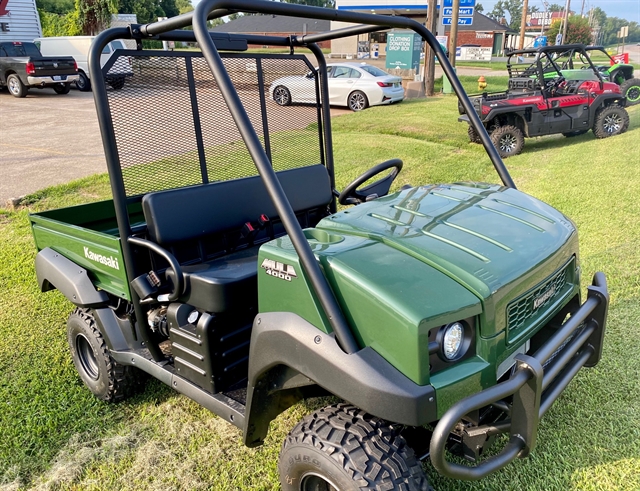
[(94, 16), (169, 8), (554, 7), (479, 7), (184, 6), (578, 30), (56, 6), (146, 10), (510, 10)]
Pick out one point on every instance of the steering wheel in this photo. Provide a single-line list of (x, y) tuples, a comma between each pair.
[(554, 84), (351, 195)]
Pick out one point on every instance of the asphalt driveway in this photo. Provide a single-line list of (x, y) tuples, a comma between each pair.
[(47, 139)]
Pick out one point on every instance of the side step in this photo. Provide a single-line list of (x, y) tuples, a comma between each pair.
[(219, 404)]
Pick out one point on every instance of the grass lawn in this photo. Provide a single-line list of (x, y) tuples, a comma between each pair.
[(56, 435)]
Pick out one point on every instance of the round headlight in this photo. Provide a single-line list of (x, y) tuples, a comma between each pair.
[(452, 340)]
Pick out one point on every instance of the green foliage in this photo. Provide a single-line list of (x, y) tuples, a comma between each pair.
[(59, 24), (479, 7), (56, 6), (554, 7), (510, 10), (184, 6), (94, 15), (145, 10), (578, 30)]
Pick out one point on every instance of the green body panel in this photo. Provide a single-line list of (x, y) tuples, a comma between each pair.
[(427, 256), (88, 235)]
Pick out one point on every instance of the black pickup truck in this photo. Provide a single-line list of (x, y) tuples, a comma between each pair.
[(22, 66)]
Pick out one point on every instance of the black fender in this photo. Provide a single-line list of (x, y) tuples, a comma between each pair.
[(54, 271), (605, 100), (119, 334), (290, 359), (517, 113)]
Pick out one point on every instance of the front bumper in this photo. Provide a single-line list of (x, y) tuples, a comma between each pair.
[(50, 81), (535, 385)]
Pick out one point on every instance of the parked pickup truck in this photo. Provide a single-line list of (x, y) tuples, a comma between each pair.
[(22, 66)]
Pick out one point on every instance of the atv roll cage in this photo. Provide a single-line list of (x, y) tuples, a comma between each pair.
[(210, 44)]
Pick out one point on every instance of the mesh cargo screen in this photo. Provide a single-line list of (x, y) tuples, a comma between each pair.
[(173, 128)]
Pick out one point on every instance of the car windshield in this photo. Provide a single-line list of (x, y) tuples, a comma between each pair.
[(373, 70)]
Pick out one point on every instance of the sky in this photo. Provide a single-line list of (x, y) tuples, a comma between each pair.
[(625, 9)]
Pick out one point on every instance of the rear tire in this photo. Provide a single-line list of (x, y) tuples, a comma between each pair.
[(631, 90), (357, 101), (117, 83), (83, 83), (610, 121), (16, 87), (473, 135), (62, 88), (342, 448), (282, 96), (508, 140), (107, 379)]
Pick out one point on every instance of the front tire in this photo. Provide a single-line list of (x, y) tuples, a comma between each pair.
[(282, 96), (342, 448), (631, 90), (16, 87), (473, 135), (83, 83), (357, 101), (107, 379), (610, 121), (508, 140), (62, 88)]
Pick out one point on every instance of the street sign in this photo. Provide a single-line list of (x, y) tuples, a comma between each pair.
[(463, 3), (463, 11), (462, 21)]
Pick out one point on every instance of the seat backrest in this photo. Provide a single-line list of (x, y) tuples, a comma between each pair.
[(193, 212)]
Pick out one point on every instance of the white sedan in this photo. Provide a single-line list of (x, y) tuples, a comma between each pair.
[(356, 85)]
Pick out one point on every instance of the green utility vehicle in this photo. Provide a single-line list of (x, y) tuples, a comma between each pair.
[(440, 315)]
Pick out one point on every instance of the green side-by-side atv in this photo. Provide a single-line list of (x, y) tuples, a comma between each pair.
[(439, 316)]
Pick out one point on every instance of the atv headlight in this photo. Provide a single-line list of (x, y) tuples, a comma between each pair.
[(453, 340)]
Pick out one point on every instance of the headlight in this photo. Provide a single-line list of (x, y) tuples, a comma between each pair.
[(453, 340)]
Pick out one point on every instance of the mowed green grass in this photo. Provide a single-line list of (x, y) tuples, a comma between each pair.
[(55, 435)]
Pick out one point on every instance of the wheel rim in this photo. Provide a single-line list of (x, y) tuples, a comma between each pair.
[(13, 86), (81, 82), (281, 96), (508, 143), (87, 357), (612, 123), (633, 94), (315, 482), (357, 102)]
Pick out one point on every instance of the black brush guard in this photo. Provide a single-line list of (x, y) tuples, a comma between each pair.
[(534, 389)]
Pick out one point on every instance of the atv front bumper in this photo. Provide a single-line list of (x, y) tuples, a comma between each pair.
[(537, 382)]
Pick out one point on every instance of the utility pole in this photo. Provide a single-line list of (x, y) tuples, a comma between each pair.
[(523, 23), (453, 40), (566, 21), (429, 60)]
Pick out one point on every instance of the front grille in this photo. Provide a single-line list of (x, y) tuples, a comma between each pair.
[(522, 309)]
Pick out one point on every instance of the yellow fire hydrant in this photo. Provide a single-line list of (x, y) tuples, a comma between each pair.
[(482, 83)]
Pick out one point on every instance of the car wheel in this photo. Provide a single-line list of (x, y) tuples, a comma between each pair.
[(282, 96), (571, 134), (357, 101), (631, 90), (611, 120), (83, 83), (16, 87), (62, 88), (342, 448), (107, 379), (508, 140), (117, 83), (473, 135)]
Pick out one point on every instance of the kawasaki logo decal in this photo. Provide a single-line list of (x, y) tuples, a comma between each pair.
[(110, 261), (538, 302), (279, 270)]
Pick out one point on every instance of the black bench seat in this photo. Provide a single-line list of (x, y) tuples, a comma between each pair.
[(203, 213)]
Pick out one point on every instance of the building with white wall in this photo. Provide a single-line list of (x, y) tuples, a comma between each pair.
[(19, 20)]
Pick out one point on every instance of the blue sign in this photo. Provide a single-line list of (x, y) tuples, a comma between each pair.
[(448, 11), (462, 21), (463, 3)]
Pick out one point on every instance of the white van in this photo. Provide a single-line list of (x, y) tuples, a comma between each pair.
[(78, 47)]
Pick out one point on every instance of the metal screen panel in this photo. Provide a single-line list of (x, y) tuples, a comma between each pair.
[(173, 128)]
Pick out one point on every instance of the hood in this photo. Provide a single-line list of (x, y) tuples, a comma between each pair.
[(485, 237)]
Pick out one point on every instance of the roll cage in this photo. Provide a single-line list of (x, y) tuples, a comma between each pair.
[(211, 44)]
